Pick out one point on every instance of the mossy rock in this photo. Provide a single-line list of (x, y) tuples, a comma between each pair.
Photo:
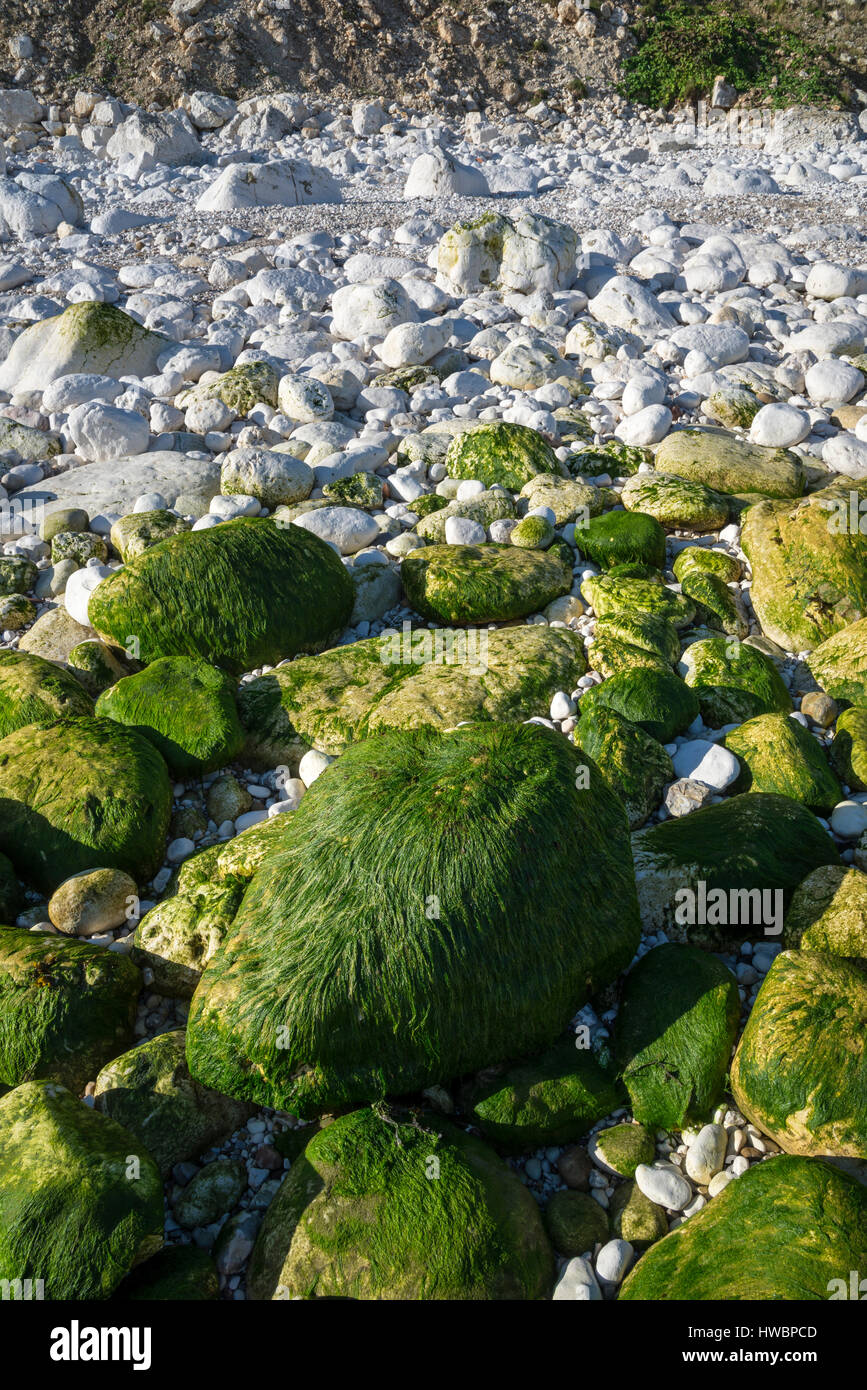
[(96, 666), (177, 938), (809, 566), (86, 337), (840, 664), (485, 507), (243, 594), (848, 752), (720, 606), (33, 690), (622, 1147), (789, 1229), (749, 846), (498, 452), (213, 1192), (66, 1008), (608, 595), (656, 700), (726, 567), (177, 1274), (633, 1217), (552, 1099), (79, 546), (677, 503), (361, 490), (70, 1213), (241, 388), (635, 766), (576, 1223), (777, 754), (82, 794), (385, 977), (482, 583), (427, 504), (735, 407), (610, 657), (150, 1092), (17, 575), (731, 465), (132, 535), (634, 570), (828, 912), (380, 1210), (801, 1063), (637, 628), (534, 533), (569, 500), (421, 679), (730, 665), (612, 457), (677, 1023), (186, 709), (16, 612), (621, 537)]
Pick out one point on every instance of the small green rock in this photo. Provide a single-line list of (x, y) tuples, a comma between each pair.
[(185, 707), (777, 754), (576, 1223), (656, 700), (212, 1193)]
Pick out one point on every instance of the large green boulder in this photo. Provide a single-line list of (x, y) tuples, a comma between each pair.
[(678, 504), (620, 537), (150, 1092), (789, 1229), (839, 664), (81, 1201), (185, 707), (482, 583), (88, 337), (418, 679), (848, 752), (657, 700), (376, 1209), (495, 451), (426, 888), (828, 912), (674, 1034), (777, 754), (33, 689), (636, 628), (552, 1099), (177, 938), (66, 1008), (723, 873), (716, 604), (721, 461), (608, 593), (243, 594), (733, 680), (809, 566), (635, 766), (80, 794), (801, 1066)]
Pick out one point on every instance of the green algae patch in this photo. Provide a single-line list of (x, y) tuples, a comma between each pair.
[(576, 1223), (622, 1147), (185, 707), (617, 538), (66, 1008), (635, 766), (635, 1218), (449, 894), (828, 912), (132, 535), (482, 583), (729, 666), (656, 700), (840, 664), (80, 794), (788, 1229), (243, 594), (33, 690), (610, 594), (674, 1034), (378, 1209), (777, 754), (552, 1099), (800, 1069), (240, 388), (716, 604), (498, 452), (727, 567), (72, 1210)]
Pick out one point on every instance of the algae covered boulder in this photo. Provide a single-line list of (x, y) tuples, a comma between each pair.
[(789, 1229), (88, 337), (635, 765), (733, 680), (728, 871), (621, 537), (800, 1066), (656, 700), (848, 752), (674, 1034), (240, 388), (451, 930), (376, 1209), (677, 503), (80, 794), (132, 535), (828, 912), (721, 461), (482, 583), (635, 1218), (621, 594), (184, 706), (839, 664), (809, 566), (498, 452), (576, 1223), (777, 754), (81, 1201), (150, 1092), (551, 1099), (621, 1148), (33, 689), (243, 594), (418, 679), (66, 1008)]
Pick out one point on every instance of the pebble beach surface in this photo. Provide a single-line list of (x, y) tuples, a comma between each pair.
[(433, 701)]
